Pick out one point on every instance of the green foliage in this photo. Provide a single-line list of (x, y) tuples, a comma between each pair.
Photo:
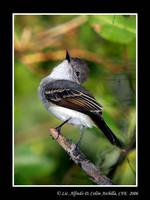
[(31, 168), (128, 169), (108, 44), (115, 28)]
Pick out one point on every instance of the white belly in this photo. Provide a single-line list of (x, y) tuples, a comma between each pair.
[(77, 118)]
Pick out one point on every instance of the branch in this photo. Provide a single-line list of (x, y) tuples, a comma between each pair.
[(34, 58), (79, 158)]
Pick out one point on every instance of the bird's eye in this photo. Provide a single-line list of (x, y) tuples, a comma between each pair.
[(77, 73)]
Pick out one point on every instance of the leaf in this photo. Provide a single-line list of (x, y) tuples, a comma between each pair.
[(110, 157), (117, 29), (125, 173)]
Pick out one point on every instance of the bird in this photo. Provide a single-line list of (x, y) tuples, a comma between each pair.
[(62, 95)]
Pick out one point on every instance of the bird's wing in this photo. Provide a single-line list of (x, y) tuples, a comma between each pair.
[(73, 96)]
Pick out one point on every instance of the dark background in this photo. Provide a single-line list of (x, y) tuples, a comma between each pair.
[(6, 39)]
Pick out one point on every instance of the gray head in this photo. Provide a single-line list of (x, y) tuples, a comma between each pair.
[(73, 69), (80, 68)]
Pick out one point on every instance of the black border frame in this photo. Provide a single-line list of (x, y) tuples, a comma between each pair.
[(105, 6)]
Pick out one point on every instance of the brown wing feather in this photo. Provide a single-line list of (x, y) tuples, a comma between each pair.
[(73, 99)]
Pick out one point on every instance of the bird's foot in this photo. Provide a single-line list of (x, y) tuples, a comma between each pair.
[(58, 129), (77, 146)]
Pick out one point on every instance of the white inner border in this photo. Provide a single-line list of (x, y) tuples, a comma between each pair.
[(136, 99)]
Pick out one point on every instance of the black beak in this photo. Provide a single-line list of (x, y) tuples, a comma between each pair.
[(68, 57)]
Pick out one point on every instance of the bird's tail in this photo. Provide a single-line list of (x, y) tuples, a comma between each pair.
[(100, 122)]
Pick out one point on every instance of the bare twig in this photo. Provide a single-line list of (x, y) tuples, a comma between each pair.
[(79, 158), (63, 28), (59, 55), (49, 37)]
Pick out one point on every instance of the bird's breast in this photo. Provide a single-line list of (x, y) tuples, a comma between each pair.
[(77, 118)]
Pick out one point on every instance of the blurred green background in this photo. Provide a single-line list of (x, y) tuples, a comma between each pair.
[(108, 44)]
